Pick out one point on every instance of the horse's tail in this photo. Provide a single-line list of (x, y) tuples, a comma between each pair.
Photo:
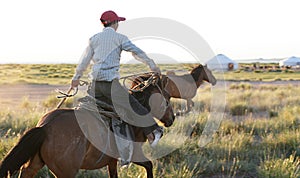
[(29, 144)]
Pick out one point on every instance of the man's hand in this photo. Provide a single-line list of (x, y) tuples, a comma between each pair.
[(74, 83), (156, 70)]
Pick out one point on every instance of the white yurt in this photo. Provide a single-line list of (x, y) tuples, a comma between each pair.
[(222, 63), (291, 61)]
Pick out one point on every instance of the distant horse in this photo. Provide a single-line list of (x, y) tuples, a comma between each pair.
[(185, 86), (59, 142)]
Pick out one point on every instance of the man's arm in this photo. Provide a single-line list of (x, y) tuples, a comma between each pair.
[(140, 55), (83, 64)]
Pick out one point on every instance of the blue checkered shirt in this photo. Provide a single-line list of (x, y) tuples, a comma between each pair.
[(104, 50)]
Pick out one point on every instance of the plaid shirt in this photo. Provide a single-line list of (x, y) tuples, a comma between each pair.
[(104, 50)]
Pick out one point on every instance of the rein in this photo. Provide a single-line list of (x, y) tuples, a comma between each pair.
[(65, 95), (152, 80), (144, 83), (140, 87), (134, 77)]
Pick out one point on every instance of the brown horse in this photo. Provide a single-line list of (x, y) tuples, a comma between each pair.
[(67, 140), (185, 86)]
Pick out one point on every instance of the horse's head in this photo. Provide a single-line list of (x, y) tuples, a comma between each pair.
[(150, 91), (202, 73)]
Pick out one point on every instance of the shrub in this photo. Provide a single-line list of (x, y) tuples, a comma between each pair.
[(240, 109), (288, 167), (51, 102), (273, 114), (258, 71), (242, 86)]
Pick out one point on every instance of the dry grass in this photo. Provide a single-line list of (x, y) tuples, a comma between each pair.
[(258, 137)]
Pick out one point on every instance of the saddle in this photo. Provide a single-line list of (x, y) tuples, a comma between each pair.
[(124, 134), (90, 103), (108, 115)]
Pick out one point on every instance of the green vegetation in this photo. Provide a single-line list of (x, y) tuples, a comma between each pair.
[(36, 73), (258, 137), (62, 73), (259, 76)]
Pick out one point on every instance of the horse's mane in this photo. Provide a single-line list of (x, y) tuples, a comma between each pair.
[(195, 72), (191, 77)]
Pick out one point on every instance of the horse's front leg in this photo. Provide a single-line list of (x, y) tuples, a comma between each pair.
[(140, 159), (189, 104), (148, 166), (112, 168)]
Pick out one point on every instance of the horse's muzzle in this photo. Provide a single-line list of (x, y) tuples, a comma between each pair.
[(214, 82), (169, 122)]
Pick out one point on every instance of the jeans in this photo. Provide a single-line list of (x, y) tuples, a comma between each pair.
[(127, 106)]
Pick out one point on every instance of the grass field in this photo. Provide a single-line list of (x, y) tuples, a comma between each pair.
[(259, 135), (62, 73)]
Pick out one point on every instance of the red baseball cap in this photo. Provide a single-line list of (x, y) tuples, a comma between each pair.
[(111, 16)]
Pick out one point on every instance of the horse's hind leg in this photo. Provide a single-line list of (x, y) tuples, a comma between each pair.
[(66, 173), (64, 168), (30, 169)]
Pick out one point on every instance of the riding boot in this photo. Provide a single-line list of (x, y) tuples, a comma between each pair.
[(124, 138)]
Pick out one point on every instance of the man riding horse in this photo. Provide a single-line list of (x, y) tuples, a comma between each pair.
[(104, 50)]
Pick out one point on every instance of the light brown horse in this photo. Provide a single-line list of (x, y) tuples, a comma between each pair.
[(60, 142), (185, 86)]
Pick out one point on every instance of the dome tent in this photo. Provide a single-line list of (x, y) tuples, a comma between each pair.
[(222, 63), (291, 61)]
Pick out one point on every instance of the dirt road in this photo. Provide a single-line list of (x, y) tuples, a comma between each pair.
[(12, 95)]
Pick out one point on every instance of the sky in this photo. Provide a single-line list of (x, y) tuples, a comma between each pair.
[(57, 31)]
